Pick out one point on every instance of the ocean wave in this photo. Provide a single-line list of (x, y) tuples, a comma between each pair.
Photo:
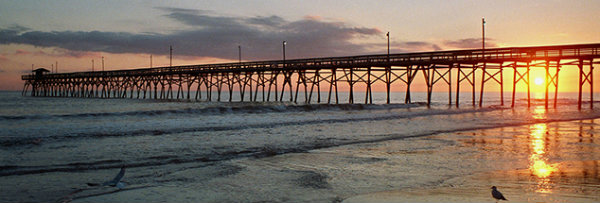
[(11, 141), (224, 109), (256, 152), (266, 149), (20, 140), (35, 140), (559, 101), (224, 154)]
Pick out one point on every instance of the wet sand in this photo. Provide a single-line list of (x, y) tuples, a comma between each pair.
[(543, 162)]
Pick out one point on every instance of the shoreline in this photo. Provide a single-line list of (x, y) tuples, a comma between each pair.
[(377, 155), (450, 167)]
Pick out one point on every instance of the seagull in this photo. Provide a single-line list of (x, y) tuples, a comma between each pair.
[(497, 194), (115, 182)]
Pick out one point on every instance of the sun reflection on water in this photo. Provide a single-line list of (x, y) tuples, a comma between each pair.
[(538, 163), (539, 112)]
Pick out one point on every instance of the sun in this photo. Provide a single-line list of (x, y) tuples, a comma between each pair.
[(538, 81)]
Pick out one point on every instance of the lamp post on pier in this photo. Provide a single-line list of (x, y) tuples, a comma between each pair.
[(482, 33), (284, 43), (388, 70), (388, 46)]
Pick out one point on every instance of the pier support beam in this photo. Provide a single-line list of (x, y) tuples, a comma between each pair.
[(521, 76), (287, 79), (492, 72), (551, 80), (435, 73), (586, 77), (333, 79), (410, 76), (465, 72), (356, 70)]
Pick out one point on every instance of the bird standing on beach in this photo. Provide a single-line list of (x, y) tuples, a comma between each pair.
[(497, 194), (115, 182)]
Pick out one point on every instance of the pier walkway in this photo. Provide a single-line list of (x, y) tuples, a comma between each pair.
[(279, 80)]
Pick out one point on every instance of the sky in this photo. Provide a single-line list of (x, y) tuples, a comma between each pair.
[(71, 33)]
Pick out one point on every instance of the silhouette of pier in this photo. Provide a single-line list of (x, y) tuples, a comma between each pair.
[(279, 80)]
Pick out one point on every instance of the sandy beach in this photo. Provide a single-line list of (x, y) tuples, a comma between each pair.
[(544, 162)]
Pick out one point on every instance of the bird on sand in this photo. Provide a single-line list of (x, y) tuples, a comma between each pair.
[(497, 194), (115, 182)]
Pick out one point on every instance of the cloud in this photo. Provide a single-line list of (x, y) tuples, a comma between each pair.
[(59, 52), (11, 31), (199, 18), (56, 52), (21, 52), (210, 35), (470, 43), (420, 46), (271, 21), (405, 47), (179, 10), (313, 17)]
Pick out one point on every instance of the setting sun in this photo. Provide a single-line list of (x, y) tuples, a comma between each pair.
[(539, 81)]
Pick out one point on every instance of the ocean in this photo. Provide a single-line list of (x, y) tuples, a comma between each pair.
[(198, 151)]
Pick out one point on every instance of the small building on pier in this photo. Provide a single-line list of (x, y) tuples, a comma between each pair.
[(39, 72)]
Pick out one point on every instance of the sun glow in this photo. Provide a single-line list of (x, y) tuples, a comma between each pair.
[(542, 169), (538, 81)]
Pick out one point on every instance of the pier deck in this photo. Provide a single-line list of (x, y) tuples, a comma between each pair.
[(272, 79)]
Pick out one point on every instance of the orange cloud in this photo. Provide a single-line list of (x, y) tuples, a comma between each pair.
[(313, 17), (20, 52)]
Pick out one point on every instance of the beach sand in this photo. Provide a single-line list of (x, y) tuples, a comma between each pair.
[(543, 162)]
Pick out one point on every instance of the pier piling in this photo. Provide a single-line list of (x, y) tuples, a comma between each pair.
[(248, 78)]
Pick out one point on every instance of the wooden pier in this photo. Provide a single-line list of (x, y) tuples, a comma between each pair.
[(280, 80)]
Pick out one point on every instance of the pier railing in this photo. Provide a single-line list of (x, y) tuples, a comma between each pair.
[(353, 69), (439, 57)]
